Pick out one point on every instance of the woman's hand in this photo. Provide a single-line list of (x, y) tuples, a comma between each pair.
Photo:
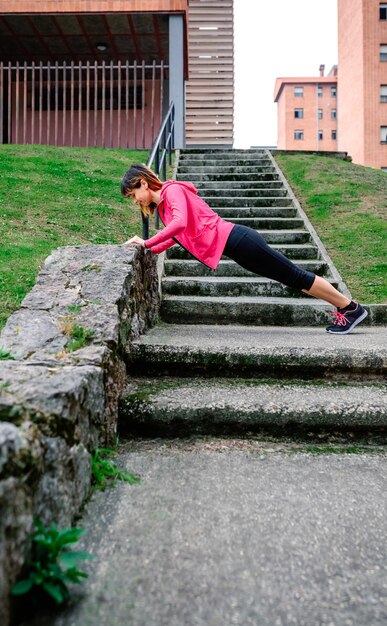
[(136, 240)]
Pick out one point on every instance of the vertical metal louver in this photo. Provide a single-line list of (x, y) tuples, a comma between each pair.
[(210, 89)]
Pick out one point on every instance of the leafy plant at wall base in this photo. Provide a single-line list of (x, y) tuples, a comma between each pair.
[(52, 565), (105, 471)]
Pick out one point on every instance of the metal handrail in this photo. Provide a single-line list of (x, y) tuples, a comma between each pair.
[(162, 147)]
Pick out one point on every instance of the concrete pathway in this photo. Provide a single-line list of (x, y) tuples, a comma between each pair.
[(237, 532)]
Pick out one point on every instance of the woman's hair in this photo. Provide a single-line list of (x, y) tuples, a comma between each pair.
[(132, 180)]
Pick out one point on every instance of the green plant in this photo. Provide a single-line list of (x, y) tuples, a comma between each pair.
[(5, 355), (79, 337), (75, 309), (52, 565), (105, 471), (346, 204), (89, 268)]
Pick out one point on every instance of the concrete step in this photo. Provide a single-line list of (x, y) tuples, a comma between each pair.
[(291, 236), (244, 193), (231, 155), (245, 310), (257, 185), (182, 407), (220, 163), (219, 175), (228, 286), (268, 223), (231, 170), (253, 352), (233, 212), (220, 150), (238, 202), (295, 252), (189, 267)]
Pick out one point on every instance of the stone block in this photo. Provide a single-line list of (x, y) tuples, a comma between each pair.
[(56, 405)]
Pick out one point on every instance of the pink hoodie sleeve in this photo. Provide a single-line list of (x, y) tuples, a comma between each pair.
[(162, 246), (177, 203)]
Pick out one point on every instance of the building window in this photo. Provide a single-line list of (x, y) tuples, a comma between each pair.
[(299, 113), (334, 134), (298, 134), (320, 135), (383, 52), (383, 134), (298, 92), (319, 92), (383, 11), (333, 114), (333, 92), (320, 114), (383, 93)]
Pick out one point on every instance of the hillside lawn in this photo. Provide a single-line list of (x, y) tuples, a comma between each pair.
[(347, 205), (51, 197)]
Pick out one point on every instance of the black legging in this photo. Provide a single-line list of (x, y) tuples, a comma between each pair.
[(249, 249)]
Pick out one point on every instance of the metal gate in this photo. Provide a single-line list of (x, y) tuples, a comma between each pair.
[(110, 105)]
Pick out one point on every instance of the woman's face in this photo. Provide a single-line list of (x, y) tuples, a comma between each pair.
[(142, 195)]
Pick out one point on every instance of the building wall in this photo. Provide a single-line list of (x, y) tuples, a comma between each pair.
[(310, 124), (375, 75), (281, 121), (360, 74), (90, 6), (351, 79)]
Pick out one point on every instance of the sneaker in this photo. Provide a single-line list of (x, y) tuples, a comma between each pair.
[(345, 321)]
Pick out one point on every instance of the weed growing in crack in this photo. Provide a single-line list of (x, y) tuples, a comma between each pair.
[(105, 471), (79, 337), (5, 355)]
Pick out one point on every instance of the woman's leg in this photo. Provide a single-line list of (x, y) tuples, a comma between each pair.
[(250, 250), (324, 290)]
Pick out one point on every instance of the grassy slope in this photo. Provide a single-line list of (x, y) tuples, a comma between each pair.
[(347, 205), (51, 197)]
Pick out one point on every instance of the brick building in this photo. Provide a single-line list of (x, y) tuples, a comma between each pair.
[(103, 72), (362, 76), (312, 115), (307, 112)]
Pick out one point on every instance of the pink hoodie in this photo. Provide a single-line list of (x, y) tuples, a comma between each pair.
[(190, 222)]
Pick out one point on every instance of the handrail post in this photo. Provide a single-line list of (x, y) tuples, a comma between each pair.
[(165, 142), (164, 165), (145, 226), (157, 171)]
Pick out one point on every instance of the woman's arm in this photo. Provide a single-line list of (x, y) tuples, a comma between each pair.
[(161, 246), (175, 198)]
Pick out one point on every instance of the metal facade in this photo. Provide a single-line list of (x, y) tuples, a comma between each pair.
[(210, 88)]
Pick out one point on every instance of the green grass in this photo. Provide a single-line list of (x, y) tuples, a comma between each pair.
[(51, 197), (347, 205)]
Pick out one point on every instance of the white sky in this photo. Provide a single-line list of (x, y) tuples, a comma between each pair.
[(276, 38)]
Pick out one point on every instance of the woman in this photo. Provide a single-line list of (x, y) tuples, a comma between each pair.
[(190, 222)]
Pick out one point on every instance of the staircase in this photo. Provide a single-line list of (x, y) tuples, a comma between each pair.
[(202, 370), (244, 187)]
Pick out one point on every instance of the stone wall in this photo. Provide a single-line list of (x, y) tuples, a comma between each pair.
[(56, 405)]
